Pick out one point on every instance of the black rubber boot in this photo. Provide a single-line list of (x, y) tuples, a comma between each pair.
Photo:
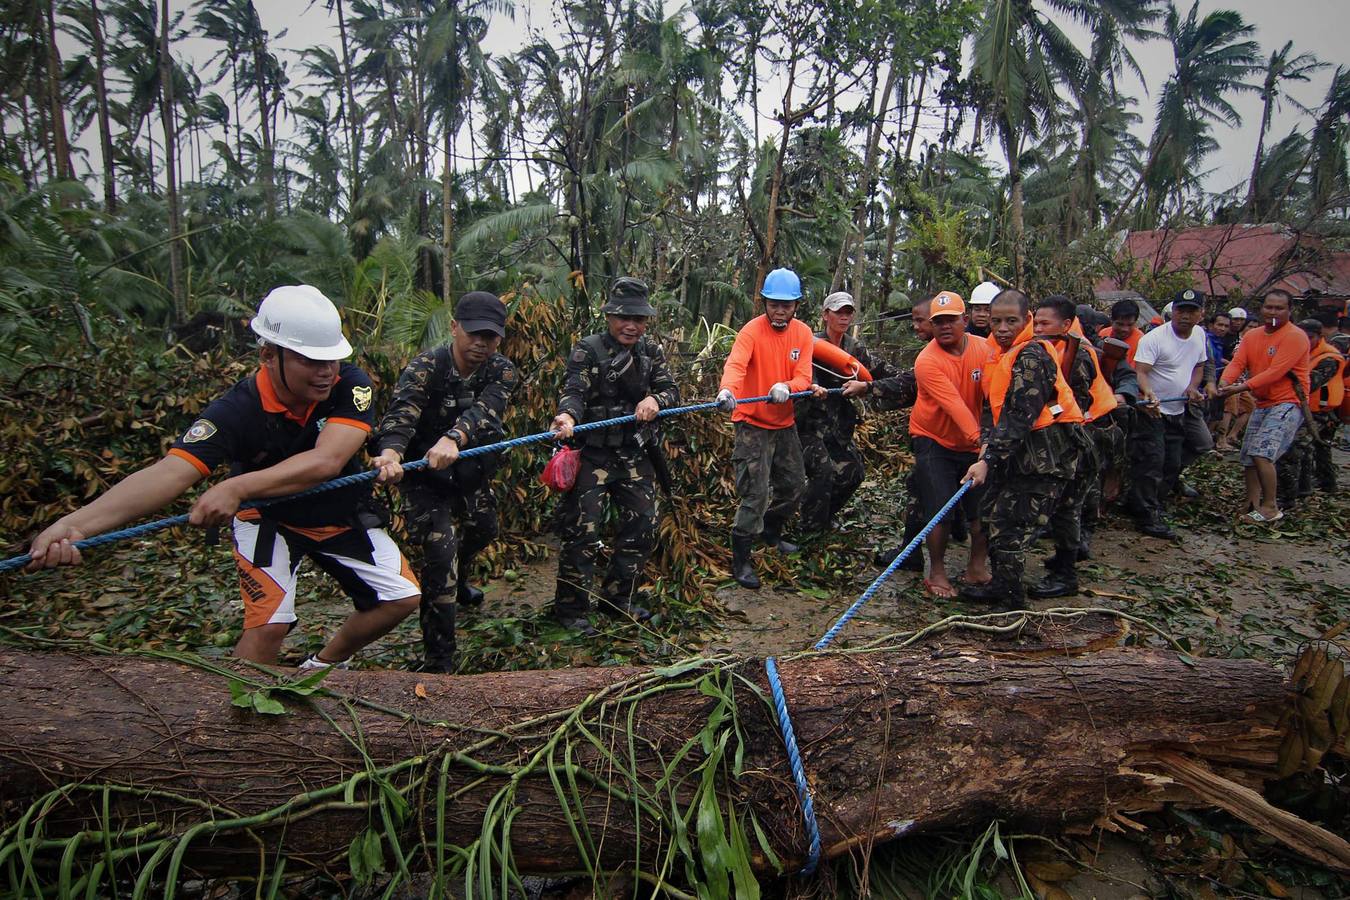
[(465, 593), (468, 595), (627, 604), (570, 610), (772, 535), (741, 567), (438, 636)]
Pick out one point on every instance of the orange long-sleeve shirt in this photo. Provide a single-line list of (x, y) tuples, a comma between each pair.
[(1268, 357), (950, 395), (762, 357)]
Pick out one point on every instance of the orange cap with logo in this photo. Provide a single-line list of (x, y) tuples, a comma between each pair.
[(946, 303)]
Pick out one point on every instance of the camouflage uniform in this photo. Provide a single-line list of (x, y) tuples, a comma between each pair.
[(451, 513), (833, 463), (1032, 474), (1308, 464), (1109, 442), (604, 381)]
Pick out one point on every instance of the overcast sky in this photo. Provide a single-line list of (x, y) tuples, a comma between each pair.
[(1321, 27)]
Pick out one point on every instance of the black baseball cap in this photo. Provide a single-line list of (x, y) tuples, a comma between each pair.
[(628, 297), (481, 311), (1189, 297)]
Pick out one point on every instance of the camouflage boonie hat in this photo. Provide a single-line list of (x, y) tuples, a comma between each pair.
[(628, 297)]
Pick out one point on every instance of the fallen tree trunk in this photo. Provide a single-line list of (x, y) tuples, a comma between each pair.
[(678, 772)]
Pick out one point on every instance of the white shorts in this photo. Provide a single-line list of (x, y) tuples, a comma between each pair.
[(365, 562)]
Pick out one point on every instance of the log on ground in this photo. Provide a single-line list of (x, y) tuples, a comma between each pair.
[(586, 769)]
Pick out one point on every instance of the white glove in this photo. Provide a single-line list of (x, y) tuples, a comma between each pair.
[(726, 400), (779, 393)]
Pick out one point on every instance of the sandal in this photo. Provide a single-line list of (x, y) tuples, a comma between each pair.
[(1256, 517), (948, 592)]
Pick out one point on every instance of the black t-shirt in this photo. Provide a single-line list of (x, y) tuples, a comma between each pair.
[(249, 429)]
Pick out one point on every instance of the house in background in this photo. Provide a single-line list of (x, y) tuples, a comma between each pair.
[(1241, 263)]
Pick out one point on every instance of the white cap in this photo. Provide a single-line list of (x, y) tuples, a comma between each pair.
[(300, 318), (838, 300), (984, 293), (1237, 312)]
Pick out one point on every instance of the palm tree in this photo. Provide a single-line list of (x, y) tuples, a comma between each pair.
[(1214, 57), (1022, 57), (1283, 66)]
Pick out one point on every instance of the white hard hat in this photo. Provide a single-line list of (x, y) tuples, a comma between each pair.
[(1237, 312), (300, 318), (984, 293)]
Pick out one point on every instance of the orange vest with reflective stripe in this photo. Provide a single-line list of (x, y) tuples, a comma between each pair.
[(1330, 396), (1103, 397), (1000, 377)]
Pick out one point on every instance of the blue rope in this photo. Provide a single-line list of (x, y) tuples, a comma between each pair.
[(890, 570), (798, 772), (18, 562)]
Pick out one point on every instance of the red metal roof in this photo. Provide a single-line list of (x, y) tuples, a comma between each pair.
[(1225, 260)]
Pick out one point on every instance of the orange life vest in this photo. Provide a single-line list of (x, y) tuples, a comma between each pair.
[(1103, 397), (1331, 395), (1000, 377)]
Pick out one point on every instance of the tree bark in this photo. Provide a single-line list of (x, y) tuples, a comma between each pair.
[(353, 117), (176, 285), (52, 66), (104, 119), (893, 742)]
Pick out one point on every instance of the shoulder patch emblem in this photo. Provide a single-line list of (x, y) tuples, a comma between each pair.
[(200, 431), (579, 355), (361, 395), (795, 354)]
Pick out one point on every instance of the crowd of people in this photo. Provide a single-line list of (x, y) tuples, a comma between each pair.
[(1047, 411)]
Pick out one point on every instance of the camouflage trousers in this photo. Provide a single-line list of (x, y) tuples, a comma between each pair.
[(1324, 467), (1308, 464), (450, 528), (834, 469), (770, 478), (1108, 452), (625, 476), (1017, 507)]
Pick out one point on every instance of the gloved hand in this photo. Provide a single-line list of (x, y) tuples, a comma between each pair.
[(726, 400), (779, 393)]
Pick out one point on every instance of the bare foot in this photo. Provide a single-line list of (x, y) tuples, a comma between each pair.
[(977, 575), (938, 585)]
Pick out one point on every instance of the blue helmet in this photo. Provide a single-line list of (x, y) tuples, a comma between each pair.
[(782, 284)]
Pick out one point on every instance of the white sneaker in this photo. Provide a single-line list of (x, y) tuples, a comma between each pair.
[(314, 662)]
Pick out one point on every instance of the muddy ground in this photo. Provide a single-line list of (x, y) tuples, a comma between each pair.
[(1222, 589)]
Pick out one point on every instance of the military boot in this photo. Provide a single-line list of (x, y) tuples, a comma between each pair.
[(465, 593), (999, 595), (625, 603), (438, 636), (772, 535), (1060, 581), (741, 567), (570, 611)]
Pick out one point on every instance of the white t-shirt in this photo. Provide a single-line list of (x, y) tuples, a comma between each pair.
[(1173, 360)]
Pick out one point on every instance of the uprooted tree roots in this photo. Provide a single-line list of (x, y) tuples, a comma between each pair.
[(148, 768)]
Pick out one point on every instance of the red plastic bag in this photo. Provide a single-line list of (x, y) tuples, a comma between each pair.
[(560, 472)]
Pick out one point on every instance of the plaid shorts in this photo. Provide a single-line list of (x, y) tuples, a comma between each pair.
[(1271, 432)]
